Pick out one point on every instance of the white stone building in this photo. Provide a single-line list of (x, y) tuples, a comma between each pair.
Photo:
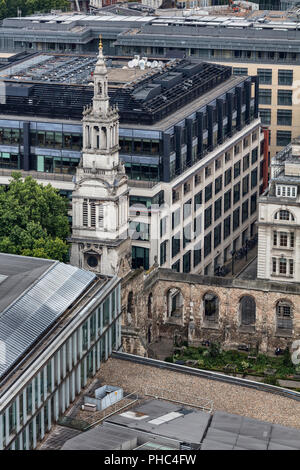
[(279, 217), (100, 200)]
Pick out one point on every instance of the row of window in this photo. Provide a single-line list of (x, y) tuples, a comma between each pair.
[(210, 307), (284, 117), (284, 77), (284, 239), (282, 266), (284, 97), (286, 191)]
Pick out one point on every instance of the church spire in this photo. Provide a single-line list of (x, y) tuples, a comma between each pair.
[(101, 98)]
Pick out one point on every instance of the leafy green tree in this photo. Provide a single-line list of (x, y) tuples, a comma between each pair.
[(9, 8), (33, 220)]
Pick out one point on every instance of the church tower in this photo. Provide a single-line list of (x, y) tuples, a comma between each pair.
[(100, 206)]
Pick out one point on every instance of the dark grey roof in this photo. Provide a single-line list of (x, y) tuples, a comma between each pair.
[(35, 293)]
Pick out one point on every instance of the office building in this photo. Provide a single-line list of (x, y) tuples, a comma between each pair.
[(189, 132), (263, 44)]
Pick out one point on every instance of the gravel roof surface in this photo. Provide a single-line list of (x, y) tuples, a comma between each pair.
[(226, 397)]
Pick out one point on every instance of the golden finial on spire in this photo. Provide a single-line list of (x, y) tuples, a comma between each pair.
[(100, 42)]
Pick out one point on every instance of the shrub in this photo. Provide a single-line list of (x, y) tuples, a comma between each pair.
[(214, 350), (169, 359), (271, 380)]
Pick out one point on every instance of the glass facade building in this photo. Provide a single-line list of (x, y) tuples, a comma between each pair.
[(50, 383)]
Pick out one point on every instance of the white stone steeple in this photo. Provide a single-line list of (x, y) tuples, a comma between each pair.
[(100, 201)]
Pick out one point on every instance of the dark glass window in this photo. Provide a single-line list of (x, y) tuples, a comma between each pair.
[(197, 254), (226, 228), (236, 218), (236, 193), (227, 176), (197, 200), (208, 192), (207, 217), (237, 169), (253, 178), (285, 77), (175, 244), (218, 184), (246, 162), (245, 185), (217, 235), (245, 210), (207, 244), (218, 208), (187, 262), (227, 200)]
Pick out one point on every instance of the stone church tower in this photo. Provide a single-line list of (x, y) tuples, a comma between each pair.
[(100, 206)]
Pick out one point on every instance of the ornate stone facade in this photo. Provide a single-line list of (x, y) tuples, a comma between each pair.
[(100, 211), (193, 308)]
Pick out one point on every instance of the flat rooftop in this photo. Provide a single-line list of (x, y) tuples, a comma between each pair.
[(77, 69)]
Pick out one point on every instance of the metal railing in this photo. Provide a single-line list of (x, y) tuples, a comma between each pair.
[(204, 404)]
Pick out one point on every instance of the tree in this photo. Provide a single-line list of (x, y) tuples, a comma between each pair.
[(9, 8), (33, 220)]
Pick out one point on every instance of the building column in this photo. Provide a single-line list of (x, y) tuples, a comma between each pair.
[(26, 145), (239, 108), (52, 374), (24, 406), (210, 126), (189, 131), (49, 416), (166, 158), (56, 405), (34, 433), (229, 99), (6, 426), (199, 117), (220, 120), (42, 423), (248, 100), (178, 139), (18, 413), (73, 385)]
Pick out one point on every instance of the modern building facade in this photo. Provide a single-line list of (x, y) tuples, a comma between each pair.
[(278, 222), (261, 45), (58, 324), (189, 132)]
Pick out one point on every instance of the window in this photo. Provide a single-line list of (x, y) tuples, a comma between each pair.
[(245, 185), (218, 184), (175, 244), (218, 164), (237, 169), (211, 307), (207, 217), (275, 239), (186, 188), (163, 252), (197, 226), (254, 178), (247, 310), (286, 191), (140, 257), (228, 176), (254, 155), (285, 77), (187, 209), (246, 162), (207, 172), (176, 266), (284, 97), (236, 218), (283, 239), (240, 71), (197, 179), (265, 76), (282, 266), (197, 200), (197, 254), (175, 218), (236, 149), (236, 193), (187, 235), (227, 157), (207, 244), (245, 211), (217, 235), (218, 208), (283, 138), (284, 316), (208, 192), (227, 200), (187, 262), (284, 215), (292, 240), (265, 96), (265, 116), (226, 228), (163, 226), (284, 117)]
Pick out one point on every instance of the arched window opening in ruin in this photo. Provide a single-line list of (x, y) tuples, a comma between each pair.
[(175, 303), (150, 302), (284, 316), (103, 138), (130, 302), (211, 307), (247, 310)]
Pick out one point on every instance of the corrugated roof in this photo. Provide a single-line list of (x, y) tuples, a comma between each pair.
[(24, 321)]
